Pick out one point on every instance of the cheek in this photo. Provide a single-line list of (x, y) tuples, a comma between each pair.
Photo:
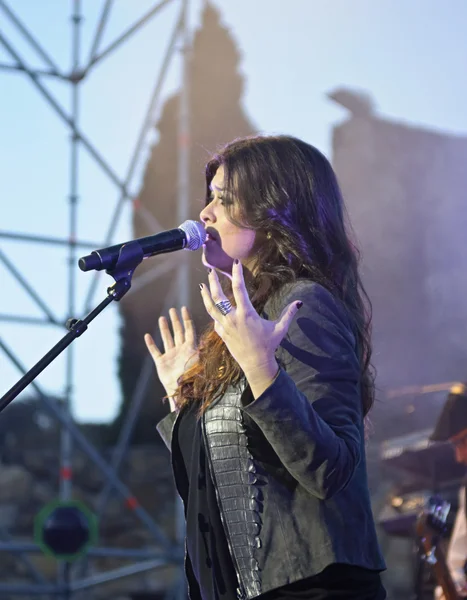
[(236, 236), (246, 242), (237, 242)]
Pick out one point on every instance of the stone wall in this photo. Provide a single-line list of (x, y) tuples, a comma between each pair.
[(29, 478)]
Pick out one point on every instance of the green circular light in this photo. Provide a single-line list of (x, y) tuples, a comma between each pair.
[(65, 529)]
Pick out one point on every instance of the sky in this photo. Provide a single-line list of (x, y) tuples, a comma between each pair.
[(409, 55)]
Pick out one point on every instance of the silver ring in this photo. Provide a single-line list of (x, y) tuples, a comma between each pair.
[(224, 306)]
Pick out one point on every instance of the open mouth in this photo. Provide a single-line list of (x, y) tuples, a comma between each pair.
[(211, 236)]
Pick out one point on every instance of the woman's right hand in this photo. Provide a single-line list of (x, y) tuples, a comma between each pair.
[(179, 350)]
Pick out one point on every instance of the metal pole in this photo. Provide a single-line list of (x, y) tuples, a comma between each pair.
[(30, 38), (30, 320), (100, 29), (62, 114), (183, 214), (34, 72), (125, 35), (125, 571), (42, 239), (32, 548), (5, 538), (66, 446), (28, 288), (83, 584), (183, 188)]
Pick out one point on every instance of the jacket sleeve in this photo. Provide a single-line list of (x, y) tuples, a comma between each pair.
[(311, 414), (165, 427)]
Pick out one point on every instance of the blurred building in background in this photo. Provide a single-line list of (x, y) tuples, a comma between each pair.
[(405, 192)]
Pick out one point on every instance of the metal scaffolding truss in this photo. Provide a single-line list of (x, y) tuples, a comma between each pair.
[(168, 552)]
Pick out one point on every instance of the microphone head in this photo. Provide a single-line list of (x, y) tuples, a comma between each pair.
[(195, 234)]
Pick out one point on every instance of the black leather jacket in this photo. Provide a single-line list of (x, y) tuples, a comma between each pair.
[(289, 467)]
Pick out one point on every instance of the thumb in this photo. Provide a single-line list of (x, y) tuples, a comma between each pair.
[(287, 316)]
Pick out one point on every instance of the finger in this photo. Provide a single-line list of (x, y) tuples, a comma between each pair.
[(190, 333), (166, 336), (179, 334), (211, 308), (239, 290), (287, 316), (151, 346), (217, 293)]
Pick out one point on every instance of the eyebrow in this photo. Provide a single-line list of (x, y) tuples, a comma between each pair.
[(211, 186)]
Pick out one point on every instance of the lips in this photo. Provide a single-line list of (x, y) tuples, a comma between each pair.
[(211, 236)]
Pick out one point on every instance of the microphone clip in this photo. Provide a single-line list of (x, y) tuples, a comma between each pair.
[(130, 256)]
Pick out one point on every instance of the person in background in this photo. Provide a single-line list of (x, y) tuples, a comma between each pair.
[(267, 411), (452, 426)]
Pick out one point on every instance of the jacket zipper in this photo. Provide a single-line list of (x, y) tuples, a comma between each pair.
[(226, 531)]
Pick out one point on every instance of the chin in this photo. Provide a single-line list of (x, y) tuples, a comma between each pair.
[(221, 263)]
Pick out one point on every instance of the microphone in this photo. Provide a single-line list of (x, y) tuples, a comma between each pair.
[(190, 235)]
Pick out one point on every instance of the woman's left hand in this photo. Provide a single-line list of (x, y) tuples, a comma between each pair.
[(251, 340)]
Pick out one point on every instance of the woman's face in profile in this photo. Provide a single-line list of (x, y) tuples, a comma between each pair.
[(225, 241)]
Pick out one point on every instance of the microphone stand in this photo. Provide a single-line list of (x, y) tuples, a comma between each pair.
[(130, 256)]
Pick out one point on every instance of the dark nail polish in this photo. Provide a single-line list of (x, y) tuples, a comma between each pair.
[(209, 270), (299, 304), (200, 286), (236, 261)]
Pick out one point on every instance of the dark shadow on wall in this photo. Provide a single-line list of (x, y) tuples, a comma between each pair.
[(216, 117)]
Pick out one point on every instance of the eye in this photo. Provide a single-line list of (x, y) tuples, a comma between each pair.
[(221, 199)]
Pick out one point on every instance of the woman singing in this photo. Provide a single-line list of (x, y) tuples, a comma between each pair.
[(267, 412)]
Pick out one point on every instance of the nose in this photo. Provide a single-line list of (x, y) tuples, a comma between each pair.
[(207, 214)]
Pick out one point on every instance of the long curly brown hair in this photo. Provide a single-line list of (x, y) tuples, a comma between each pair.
[(287, 189)]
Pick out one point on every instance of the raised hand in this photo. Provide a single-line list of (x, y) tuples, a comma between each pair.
[(251, 340), (179, 353)]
